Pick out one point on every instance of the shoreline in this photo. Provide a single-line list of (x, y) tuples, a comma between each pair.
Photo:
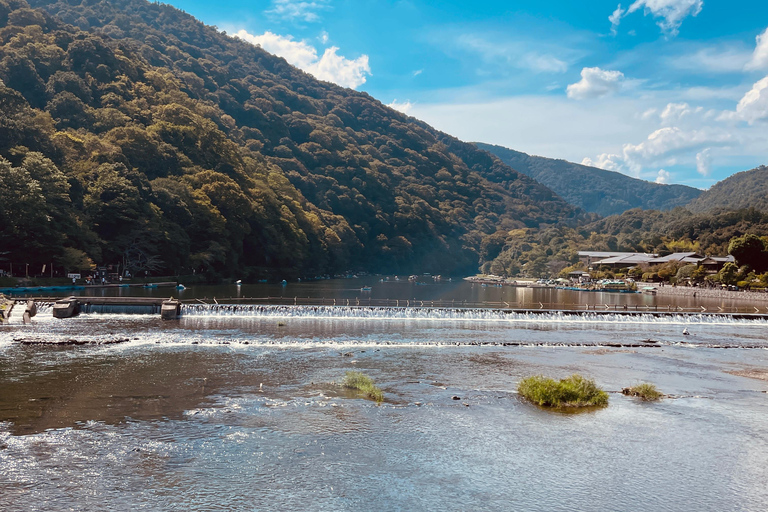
[(708, 293)]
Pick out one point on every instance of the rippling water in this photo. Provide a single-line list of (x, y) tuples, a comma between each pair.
[(236, 409)]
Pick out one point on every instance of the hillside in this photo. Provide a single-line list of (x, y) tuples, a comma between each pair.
[(595, 190), (131, 133), (747, 189)]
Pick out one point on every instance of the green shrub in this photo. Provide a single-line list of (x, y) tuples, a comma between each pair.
[(644, 391), (573, 391), (361, 382)]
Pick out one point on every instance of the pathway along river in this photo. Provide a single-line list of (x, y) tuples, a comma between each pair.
[(236, 410)]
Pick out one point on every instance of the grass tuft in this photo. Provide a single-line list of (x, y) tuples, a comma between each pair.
[(361, 382), (573, 391), (644, 391)]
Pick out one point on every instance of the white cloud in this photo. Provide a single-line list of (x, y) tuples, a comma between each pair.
[(330, 67), (753, 106), (675, 112), (417, 72), (606, 161), (671, 12), (665, 144), (594, 83), (297, 9), (663, 177), (324, 37), (759, 58), (403, 107), (615, 19), (704, 162)]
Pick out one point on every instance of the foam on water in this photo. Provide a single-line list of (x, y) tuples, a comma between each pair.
[(459, 315)]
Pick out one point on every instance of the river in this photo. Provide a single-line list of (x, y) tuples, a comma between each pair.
[(237, 408)]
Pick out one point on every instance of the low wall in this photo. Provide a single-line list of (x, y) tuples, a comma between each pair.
[(710, 293)]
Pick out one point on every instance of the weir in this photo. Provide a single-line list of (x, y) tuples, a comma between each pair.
[(171, 309)]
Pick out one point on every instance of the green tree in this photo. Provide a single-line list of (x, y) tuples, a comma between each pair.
[(749, 250)]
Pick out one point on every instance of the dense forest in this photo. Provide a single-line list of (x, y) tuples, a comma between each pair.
[(132, 134), (747, 189), (595, 190)]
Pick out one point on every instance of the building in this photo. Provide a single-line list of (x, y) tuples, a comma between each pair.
[(617, 260)]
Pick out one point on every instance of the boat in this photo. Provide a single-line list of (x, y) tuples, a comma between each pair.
[(649, 290), (366, 289)]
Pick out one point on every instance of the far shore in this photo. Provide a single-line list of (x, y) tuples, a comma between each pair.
[(709, 293)]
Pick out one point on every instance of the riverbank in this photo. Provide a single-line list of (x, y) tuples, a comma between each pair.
[(709, 293)]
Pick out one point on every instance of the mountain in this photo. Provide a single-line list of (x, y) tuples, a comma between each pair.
[(747, 189), (133, 134), (595, 190)]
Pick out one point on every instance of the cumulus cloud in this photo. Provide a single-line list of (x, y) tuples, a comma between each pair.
[(675, 112), (666, 143), (664, 147), (759, 58), (330, 67), (753, 106), (403, 107), (605, 161), (704, 162), (298, 9), (594, 83), (663, 177), (671, 13)]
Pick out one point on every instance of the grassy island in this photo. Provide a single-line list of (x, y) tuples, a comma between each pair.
[(644, 391), (364, 384), (573, 391)]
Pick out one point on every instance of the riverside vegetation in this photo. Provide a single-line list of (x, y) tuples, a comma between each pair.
[(573, 391), (360, 382)]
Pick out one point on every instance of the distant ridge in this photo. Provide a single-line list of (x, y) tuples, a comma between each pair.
[(747, 189), (594, 190)]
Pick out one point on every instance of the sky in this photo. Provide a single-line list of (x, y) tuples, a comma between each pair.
[(671, 91)]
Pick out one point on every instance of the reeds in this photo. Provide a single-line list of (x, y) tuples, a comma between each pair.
[(573, 391), (644, 391), (364, 384)]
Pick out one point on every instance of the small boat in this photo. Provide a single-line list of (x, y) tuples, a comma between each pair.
[(649, 290), (181, 287), (150, 285), (366, 289)]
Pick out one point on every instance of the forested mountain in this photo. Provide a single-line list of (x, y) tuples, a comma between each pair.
[(132, 133), (747, 189), (595, 190)]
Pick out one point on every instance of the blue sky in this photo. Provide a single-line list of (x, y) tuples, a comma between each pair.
[(674, 91)]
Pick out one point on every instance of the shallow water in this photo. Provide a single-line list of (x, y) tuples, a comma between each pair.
[(236, 409)]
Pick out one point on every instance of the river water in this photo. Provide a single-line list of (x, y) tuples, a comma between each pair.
[(236, 408)]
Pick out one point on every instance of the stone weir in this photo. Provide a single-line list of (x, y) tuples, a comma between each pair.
[(169, 309)]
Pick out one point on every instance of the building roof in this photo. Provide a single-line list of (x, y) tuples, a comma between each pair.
[(686, 257), (628, 259), (603, 254)]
